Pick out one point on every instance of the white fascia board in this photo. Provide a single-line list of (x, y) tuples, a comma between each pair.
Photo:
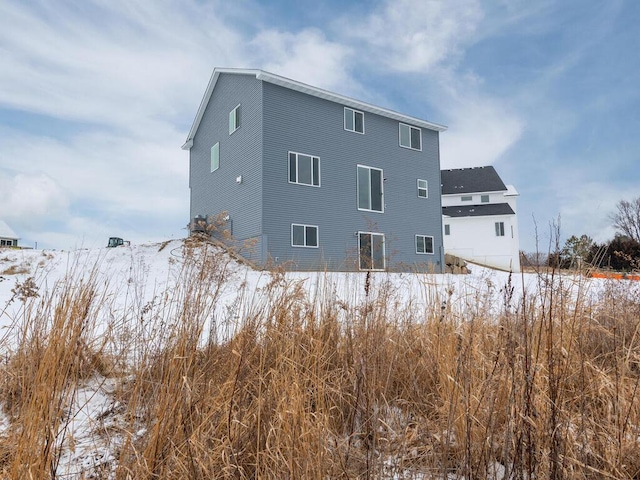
[(483, 192), (511, 191), (304, 88)]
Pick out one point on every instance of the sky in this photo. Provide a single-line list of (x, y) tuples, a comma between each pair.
[(97, 96)]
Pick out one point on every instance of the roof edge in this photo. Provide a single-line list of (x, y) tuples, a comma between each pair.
[(304, 88)]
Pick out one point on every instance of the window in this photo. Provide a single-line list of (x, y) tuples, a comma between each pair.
[(423, 191), (447, 229), (370, 194), (467, 198), (499, 229), (234, 119), (410, 137), (371, 248), (424, 244), (304, 235), (304, 169), (215, 157), (353, 120), (484, 198)]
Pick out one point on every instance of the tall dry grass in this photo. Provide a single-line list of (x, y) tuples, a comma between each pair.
[(295, 383)]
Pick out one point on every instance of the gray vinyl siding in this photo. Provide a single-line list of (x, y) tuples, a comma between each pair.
[(297, 122), (240, 155)]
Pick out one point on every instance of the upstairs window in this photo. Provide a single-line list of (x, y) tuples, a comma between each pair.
[(353, 120), (370, 194), (467, 198), (499, 229), (484, 198), (234, 119), (423, 191), (447, 229), (410, 137), (215, 157), (424, 244), (304, 169), (304, 235)]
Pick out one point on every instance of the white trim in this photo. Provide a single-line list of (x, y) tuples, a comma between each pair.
[(305, 236), (236, 120), (381, 189), (353, 111), (384, 253), (400, 125), (297, 169), (499, 231), (426, 188), (218, 152), (432, 244), (300, 87)]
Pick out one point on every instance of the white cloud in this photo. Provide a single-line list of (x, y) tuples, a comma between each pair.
[(410, 36), (31, 197), (306, 56)]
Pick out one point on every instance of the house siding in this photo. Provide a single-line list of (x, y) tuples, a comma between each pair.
[(240, 155), (301, 123)]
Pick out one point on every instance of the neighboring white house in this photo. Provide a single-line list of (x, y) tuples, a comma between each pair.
[(480, 219), (8, 237)]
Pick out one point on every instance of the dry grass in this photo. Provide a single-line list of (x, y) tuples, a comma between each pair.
[(293, 384)]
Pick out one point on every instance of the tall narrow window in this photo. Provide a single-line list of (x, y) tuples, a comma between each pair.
[(370, 191), (410, 137), (424, 244), (447, 229), (371, 251), (215, 157), (234, 119), (304, 169), (353, 120), (304, 235), (499, 229), (423, 191)]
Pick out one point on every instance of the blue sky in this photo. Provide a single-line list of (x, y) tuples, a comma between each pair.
[(96, 98)]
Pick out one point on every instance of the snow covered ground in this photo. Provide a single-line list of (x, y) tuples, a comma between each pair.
[(138, 275)]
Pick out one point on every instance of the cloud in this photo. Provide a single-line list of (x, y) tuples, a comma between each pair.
[(306, 56), (30, 197), (410, 36)]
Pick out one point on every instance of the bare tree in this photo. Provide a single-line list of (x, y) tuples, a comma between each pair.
[(627, 218)]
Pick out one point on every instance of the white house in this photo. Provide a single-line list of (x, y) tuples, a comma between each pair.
[(8, 237), (480, 219)]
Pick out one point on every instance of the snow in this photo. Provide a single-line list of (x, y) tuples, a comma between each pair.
[(134, 276)]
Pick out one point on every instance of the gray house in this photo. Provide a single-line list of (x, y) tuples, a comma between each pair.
[(313, 180)]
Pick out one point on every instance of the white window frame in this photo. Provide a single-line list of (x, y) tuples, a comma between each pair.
[(384, 257), (370, 198), (296, 182), (499, 226), (305, 226), (424, 237), (410, 127), (234, 119), (425, 188), (466, 198), (215, 148), (353, 113)]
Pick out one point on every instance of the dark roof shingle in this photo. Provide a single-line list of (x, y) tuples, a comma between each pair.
[(471, 180), (486, 210)]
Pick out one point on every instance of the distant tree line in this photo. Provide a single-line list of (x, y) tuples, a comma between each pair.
[(621, 254)]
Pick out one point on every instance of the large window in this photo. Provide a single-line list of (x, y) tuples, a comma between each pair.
[(410, 137), (499, 229), (353, 120), (424, 244), (304, 235), (371, 251), (234, 119), (370, 193), (215, 157), (423, 190), (304, 169)]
